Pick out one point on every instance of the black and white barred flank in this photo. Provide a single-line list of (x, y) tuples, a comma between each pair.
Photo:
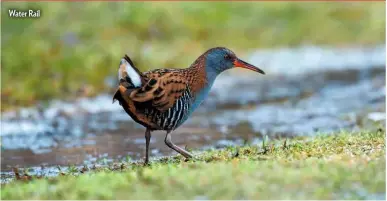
[(174, 116)]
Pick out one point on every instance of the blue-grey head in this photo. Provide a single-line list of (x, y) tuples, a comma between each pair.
[(220, 59), (215, 61)]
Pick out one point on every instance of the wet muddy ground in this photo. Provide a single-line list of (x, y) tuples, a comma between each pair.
[(306, 91)]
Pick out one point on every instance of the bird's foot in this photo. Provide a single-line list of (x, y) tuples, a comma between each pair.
[(146, 161), (190, 158)]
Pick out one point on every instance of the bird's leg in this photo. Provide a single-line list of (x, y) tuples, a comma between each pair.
[(170, 144), (147, 140)]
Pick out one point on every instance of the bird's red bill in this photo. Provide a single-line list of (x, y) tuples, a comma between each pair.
[(242, 64)]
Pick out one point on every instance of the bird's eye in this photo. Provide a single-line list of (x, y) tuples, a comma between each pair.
[(228, 57)]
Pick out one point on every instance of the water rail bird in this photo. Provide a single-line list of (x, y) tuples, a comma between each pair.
[(163, 99)]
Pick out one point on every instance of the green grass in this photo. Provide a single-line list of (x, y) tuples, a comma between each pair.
[(73, 47), (341, 166)]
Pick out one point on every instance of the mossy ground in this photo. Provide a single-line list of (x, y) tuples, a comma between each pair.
[(73, 47), (340, 166)]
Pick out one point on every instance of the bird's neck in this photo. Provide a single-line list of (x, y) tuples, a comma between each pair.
[(201, 77)]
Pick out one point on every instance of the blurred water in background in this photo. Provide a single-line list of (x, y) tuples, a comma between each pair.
[(325, 73)]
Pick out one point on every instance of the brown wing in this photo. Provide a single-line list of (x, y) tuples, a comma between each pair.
[(162, 89)]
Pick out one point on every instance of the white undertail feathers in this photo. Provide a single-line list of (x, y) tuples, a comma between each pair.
[(126, 69)]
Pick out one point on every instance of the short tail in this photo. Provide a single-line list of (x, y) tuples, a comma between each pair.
[(129, 73)]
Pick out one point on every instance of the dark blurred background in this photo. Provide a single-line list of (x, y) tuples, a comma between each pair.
[(324, 64)]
